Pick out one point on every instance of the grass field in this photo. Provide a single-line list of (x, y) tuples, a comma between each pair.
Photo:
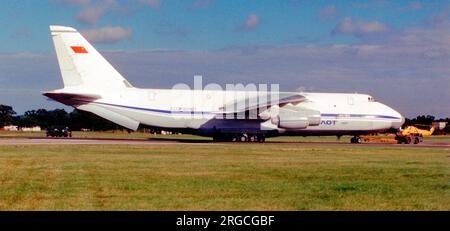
[(223, 177), (142, 135)]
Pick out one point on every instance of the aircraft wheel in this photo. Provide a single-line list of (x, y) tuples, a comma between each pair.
[(243, 138), (261, 139), (252, 138)]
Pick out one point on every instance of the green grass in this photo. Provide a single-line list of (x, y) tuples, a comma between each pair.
[(223, 177), (142, 135)]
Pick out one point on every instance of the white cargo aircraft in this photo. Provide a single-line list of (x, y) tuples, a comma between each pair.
[(92, 84)]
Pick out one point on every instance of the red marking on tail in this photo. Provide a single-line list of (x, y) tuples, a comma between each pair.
[(79, 50)]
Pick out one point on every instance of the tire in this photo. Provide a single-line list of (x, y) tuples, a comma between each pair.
[(261, 139), (243, 138), (408, 140)]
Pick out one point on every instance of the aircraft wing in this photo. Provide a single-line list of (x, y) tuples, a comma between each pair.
[(262, 101)]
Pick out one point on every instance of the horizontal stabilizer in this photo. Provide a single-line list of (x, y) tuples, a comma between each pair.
[(72, 98)]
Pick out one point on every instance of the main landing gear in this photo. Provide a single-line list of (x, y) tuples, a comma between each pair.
[(356, 140), (240, 138)]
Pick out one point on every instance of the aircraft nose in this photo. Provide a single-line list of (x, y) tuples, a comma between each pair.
[(399, 123)]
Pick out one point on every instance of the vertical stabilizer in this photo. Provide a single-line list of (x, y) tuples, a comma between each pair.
[(80, 64)]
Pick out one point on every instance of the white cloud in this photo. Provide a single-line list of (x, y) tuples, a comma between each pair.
[(91, 14), (328, 13), (356, 27), (107, 34), (250, 23)]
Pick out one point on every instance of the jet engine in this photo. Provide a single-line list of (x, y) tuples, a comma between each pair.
[(292, 117)]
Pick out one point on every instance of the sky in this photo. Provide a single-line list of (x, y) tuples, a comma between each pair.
[(397, 51)]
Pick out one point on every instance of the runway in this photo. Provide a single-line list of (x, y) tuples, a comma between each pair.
[(12, 140), (78, 141)]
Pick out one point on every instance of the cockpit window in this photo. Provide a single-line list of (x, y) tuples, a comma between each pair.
[(371, 99)]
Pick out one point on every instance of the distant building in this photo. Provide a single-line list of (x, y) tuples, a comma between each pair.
[(11, 128), (440, 127), (24, 129), (31, 129)]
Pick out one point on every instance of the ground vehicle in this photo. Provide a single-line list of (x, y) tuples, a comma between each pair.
[(412, 134), (409, 135), (55, 132)]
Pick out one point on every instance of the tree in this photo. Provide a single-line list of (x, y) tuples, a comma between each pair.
[(82, 119), (6, 115), (59, 118), (422, 119)]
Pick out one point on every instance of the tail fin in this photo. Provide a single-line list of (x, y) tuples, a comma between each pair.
[(81, 64)]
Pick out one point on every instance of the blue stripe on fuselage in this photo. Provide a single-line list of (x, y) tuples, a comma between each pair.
[(154, 110), (337, 116), (340, 116)]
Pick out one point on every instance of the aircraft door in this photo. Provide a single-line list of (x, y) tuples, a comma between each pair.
[(350, 100)]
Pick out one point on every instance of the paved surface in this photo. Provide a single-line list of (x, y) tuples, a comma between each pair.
[(9, 140), (48, 141)]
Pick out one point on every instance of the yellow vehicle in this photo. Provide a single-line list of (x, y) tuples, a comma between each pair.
[(415, 130), (409, 135), (413, 134)]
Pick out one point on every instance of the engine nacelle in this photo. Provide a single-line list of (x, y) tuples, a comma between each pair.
[(314, 119), (294, 117), (295, 123), (312, 115), (291, 119)]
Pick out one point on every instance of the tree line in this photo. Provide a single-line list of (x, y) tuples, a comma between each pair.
[(76, 120), (57, 118)]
